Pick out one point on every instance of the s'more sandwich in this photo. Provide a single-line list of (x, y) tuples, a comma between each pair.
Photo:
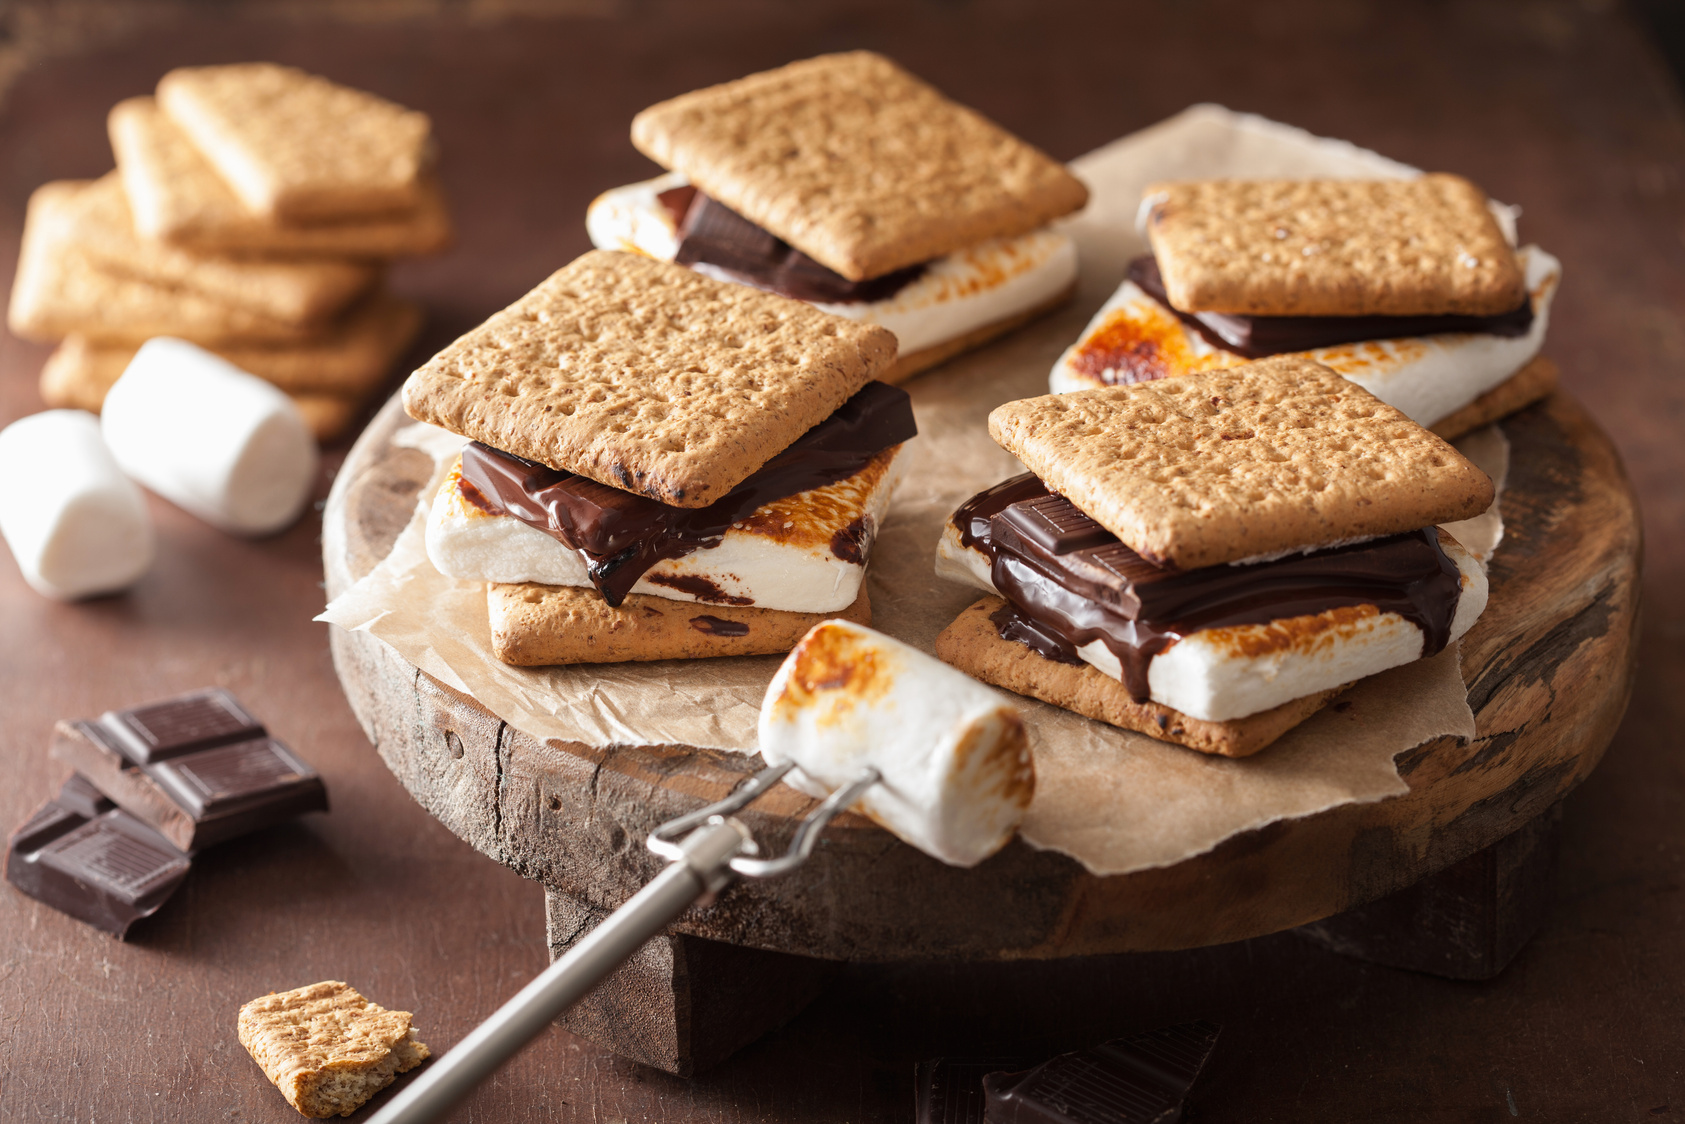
[(661, 465), (846, 182), (1413, 289), (1209, 559)]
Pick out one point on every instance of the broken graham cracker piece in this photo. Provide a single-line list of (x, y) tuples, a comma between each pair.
[(974, 645), (177, 197), (1241, 462), (326, 1048), (1427, 246), (98, 223), (294, 146), (648, 377), (857, 163), (538, 625)]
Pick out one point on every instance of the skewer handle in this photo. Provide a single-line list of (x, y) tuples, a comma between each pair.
[(703, 868)]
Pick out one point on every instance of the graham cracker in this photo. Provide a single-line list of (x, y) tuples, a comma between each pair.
[(1425, 246), (648, 377), (1534, 382), (177, 197), (295, 146), (351, 360), (857, 163), (61, 291), (974, 645), (326, 1048), (298, 292), (917, 362), (1216, 466), (535, 625)]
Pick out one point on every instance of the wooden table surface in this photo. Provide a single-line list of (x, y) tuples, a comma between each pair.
[(1561, 107)]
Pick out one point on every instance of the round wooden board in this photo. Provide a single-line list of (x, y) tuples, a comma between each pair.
[(1549, 668)]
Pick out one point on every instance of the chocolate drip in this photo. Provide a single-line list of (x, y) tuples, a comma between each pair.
[(729, 246), (622, 535), (1258, 337), (1068, 582)]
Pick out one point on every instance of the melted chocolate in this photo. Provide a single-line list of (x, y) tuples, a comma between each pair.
[(722, 243), (1068, 582), (1258, 337), (622, 535), (718, 626)]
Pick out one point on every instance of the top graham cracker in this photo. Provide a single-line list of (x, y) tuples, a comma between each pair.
[(647, 376), (857, 163), (295, 146), (1422, 247), (1265, 458)]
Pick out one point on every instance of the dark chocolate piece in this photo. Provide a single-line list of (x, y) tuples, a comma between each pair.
[(950, 1090), (717, 241), (197, 798), (189, 722), (1143, 1079), (85, 857), (1258, 337), (1068, 582), (622, 535), (719, 626)]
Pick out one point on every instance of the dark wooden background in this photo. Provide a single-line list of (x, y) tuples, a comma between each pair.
[(1563, 107)]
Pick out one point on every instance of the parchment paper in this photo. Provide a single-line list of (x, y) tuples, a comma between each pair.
[(1115, 801)]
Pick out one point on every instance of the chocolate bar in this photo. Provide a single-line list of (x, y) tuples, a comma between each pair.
[(1143, 1079), (84, 856), (198, 768)]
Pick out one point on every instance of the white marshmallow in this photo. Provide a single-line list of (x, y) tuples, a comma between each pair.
[(955, 295), (1427, 377), (779, 558), (1223, 673), (76, 525), (204, 434), (955, 759)]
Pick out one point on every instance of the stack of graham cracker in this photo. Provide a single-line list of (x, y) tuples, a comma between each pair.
[(252, 211)]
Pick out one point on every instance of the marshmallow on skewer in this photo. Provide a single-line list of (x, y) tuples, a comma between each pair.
[(77, 526), (954, 756), (204, 434)]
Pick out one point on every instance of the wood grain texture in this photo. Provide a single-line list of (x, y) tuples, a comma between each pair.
[(1549, 666), (1560, 107)]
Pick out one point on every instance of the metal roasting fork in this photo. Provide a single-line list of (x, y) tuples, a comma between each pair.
[(715, 850)]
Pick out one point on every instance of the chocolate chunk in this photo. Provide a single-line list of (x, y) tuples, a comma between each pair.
[(717, 241), (180, 725), (622, 535), (84, 857), (950, 1090), (718, 626), (1258, 337), (198, 797), (1139, 1080)]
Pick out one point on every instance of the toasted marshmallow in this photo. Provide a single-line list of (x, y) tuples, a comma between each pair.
[(953, 754), (76, 525), (955, 294), (805, 553), (1223, 673), (1427, 377), (211, 438)]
